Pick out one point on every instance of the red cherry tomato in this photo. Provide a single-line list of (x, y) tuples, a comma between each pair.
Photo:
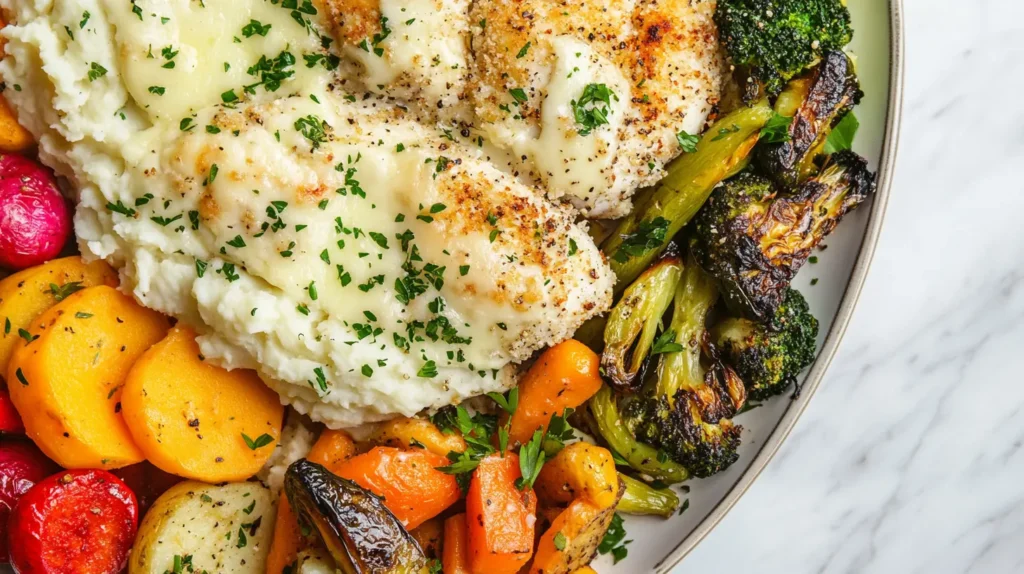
[(21, 466), (10, 420), (73, 522)]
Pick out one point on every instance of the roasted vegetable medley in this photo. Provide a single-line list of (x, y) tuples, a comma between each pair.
[(124, 449)]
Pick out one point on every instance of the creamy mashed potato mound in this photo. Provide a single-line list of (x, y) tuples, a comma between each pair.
[(365, 263)]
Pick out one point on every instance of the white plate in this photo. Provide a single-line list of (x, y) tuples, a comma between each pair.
[(660, 544)]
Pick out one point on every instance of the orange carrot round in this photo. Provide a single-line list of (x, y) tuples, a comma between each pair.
[(455, 553), (195, 419), (500, 518), (564, 376), (408, 481)]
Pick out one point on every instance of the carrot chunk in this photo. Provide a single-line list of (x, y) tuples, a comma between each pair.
[(564, 376), (500, 518), (455, 553), (408, 481)]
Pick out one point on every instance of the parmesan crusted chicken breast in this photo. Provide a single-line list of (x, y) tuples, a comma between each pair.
[(593, 93), (590, 98)]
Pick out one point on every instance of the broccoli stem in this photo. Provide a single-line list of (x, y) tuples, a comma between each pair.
[(641, 457), (722, 152), (633, 323), (695, 295), (642, 498)]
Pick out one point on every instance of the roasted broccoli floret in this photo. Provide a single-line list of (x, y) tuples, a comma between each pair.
[(754, 239), (769, 356), (772, 41), (685, 411), (816, 101)]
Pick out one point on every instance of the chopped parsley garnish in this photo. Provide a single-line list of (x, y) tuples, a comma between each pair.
[(666, 343), (157, 90), (255, 27), (518, 94), (588, 111), (573, 248), (428, 370), (313, 129), (725, 132), (62, 292), (271, 72), (96, 71), (614, 540), (523, 50), (260, 441), (531, 460), (649, 236), (687, 142), (121, 208), (776, 130)]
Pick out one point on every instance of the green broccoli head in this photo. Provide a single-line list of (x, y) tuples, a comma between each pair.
[(769, 356), (693, 428), (755, 239), (774, 40)]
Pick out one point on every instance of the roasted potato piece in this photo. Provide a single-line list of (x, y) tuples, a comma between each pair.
[(572, 540), (360, 533), (406, 433), (225, 529), (580, 470)]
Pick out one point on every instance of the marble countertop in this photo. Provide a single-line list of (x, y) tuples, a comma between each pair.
[(909, 458)]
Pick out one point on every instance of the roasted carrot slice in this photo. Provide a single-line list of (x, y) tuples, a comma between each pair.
[(564, 376), (408, 480), (499, 517), (455, 556)]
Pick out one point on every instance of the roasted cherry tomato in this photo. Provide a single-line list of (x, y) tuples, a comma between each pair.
[(73, 522), (21, 466)]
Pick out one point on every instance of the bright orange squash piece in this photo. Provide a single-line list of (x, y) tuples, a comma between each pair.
[(500, 518), (26, 294), (408, 480), (67, 383), (197, 420), (564, 376), (288, 540), (572, 539)]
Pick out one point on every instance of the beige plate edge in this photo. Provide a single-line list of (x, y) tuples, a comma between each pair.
[(846, 307)]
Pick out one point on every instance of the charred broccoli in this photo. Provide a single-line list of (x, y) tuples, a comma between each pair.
[(774, 40), (816, 102), (754, 239), (686, 410), (769, 356)]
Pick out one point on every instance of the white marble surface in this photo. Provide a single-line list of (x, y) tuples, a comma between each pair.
[(909, 457)]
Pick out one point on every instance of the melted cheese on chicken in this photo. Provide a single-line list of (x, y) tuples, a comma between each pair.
[(363, 262), (587, 96)]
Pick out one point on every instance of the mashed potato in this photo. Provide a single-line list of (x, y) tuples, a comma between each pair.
[(366, 264)]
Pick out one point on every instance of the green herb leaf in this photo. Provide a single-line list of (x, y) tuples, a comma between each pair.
[(687, 142), (776, 130), (649, 236), (841, 137), (260, 442), (666, 343)]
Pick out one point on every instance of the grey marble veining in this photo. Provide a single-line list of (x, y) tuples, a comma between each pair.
[(909, 459)]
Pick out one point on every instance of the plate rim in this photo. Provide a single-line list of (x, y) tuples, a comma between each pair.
[(886, 168)]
